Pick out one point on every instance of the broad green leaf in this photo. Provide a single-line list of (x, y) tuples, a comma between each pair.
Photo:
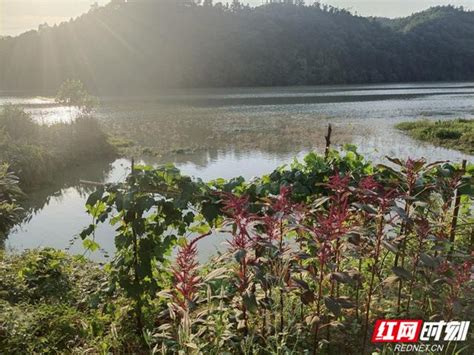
[(94, 197), (428, 260), (332, 305), (401, 272), (342, 277)]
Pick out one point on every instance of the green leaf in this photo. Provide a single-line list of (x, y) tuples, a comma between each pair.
[(90, 244), (219, 273), (401, 272), (365, 207), (240, 255), (401, 212), (210, 211), (428, 260), (200, 228), (87, 232), (342, 277), (301, 283), (395, 161), (345, 302), (94, 197), (467, 187), (333, 306), (250, 302), (307, 297)]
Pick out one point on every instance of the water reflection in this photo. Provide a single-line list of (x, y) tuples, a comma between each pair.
[(64, 181), (57, 214)]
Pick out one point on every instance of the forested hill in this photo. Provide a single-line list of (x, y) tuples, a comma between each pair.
[(142, 46)]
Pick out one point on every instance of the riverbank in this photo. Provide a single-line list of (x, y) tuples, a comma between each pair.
[(456, 134)]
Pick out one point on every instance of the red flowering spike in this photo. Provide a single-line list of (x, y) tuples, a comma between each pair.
[(185, 273)]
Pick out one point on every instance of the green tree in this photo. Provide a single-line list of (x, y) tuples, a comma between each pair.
[(72, 93)]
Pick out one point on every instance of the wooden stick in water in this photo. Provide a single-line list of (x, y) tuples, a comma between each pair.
[(328, 141)]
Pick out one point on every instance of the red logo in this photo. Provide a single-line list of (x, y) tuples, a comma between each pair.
[(396, 331)]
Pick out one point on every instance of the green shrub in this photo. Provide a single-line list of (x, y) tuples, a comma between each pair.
[(45, 275), (17, 124), (46, 328), (10, 211), (73, 93), (446, 133), (51, 302), (32, 163)]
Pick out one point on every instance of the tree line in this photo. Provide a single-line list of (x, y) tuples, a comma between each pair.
[(144, 46)]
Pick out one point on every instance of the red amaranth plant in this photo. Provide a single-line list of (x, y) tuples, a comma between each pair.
[(411, 171), (236, 209), (423, 229), (185, 274), (282, 202), (371, 192), (456, 277), (330, 226), (276, 213)]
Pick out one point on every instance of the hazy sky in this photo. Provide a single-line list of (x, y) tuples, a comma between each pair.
[(17, 16)]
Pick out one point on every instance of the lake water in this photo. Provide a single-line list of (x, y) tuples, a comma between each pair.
[(230, 132)]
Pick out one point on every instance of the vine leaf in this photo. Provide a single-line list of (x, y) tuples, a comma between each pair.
[(94, 197), (91, 245), (87, 231)]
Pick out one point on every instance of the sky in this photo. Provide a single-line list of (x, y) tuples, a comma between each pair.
[(17, 16)]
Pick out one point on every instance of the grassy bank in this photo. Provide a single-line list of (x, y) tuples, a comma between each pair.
[(457, 134), (37, 153), (50, 302)]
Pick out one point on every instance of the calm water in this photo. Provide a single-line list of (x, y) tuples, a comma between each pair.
[(231, 132)]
